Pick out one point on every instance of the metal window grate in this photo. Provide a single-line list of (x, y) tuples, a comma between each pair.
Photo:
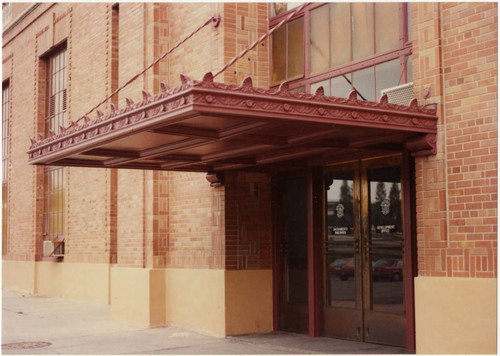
[(402, 94), (56, 92)]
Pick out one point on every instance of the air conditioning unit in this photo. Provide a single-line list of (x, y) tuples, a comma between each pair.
[(51, 249), (48, 247), (401, 94)]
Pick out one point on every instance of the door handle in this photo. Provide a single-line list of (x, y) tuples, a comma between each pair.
[(357, 246)]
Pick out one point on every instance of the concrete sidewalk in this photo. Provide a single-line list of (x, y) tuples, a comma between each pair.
[(51, 325)]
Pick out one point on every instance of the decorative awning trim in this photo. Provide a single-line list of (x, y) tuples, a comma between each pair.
[(258, 108)]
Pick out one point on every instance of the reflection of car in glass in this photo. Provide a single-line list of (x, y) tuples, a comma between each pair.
[(343, 267), (387, 269)]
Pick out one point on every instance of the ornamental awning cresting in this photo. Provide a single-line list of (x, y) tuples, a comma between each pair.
[(206, 126)]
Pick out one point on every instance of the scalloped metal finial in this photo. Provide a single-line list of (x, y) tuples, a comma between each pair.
[(40, 137), (145, 95), (320, 91), (99, 113), (284, 87), (164, 87), (62, 128), (52, 133), (32, 141), (185, 79), (87, 119), (129, 101), (208, 77), (247, 82), (353, 96), (113, 107), (384, 99)]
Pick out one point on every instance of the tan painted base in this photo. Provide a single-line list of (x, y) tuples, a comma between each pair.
[(249, 302), (210, 302), (83, 281), (195, 300), (455, 315), (130, 295), (19, 276)]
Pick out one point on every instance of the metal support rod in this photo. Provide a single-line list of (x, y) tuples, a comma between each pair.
[(214, 20), (356, 90), (262, 38)]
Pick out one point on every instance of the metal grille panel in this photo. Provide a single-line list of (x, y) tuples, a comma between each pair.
[(402, 94)]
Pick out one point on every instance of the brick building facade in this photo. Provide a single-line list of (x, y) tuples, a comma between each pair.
[(164, 247)]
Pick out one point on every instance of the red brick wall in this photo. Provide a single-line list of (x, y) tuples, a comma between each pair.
[(196, 216), (88, 190), (88, 195), (133, 218), (244, 23), (202, 52), (248, 221), (455, 55)]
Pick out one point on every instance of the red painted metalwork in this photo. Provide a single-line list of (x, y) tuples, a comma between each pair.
[(214, 20), (216, 179), (423, 146), (410, 247), (212, 123), (261, 38), (276, 255), (311, 280)]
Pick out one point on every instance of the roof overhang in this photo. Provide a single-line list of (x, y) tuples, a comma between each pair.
[(205, 126)]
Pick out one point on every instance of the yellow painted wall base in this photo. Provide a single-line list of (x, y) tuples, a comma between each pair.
[(19, 276), (195, 300), (249, 302), (83, 281), (131, 294), (212, 302), (455, 315)]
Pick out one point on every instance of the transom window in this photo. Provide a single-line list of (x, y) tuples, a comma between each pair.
[(344, 46)]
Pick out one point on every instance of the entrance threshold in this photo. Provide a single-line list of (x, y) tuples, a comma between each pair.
[(291, 343)]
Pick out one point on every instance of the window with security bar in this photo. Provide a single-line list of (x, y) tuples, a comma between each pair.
[(56, 92), (55, 117), (5, 161)]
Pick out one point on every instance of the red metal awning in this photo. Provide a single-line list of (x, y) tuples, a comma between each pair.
[(205, 126)]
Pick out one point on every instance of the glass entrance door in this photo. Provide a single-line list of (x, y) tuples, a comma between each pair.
[(363, 252)]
